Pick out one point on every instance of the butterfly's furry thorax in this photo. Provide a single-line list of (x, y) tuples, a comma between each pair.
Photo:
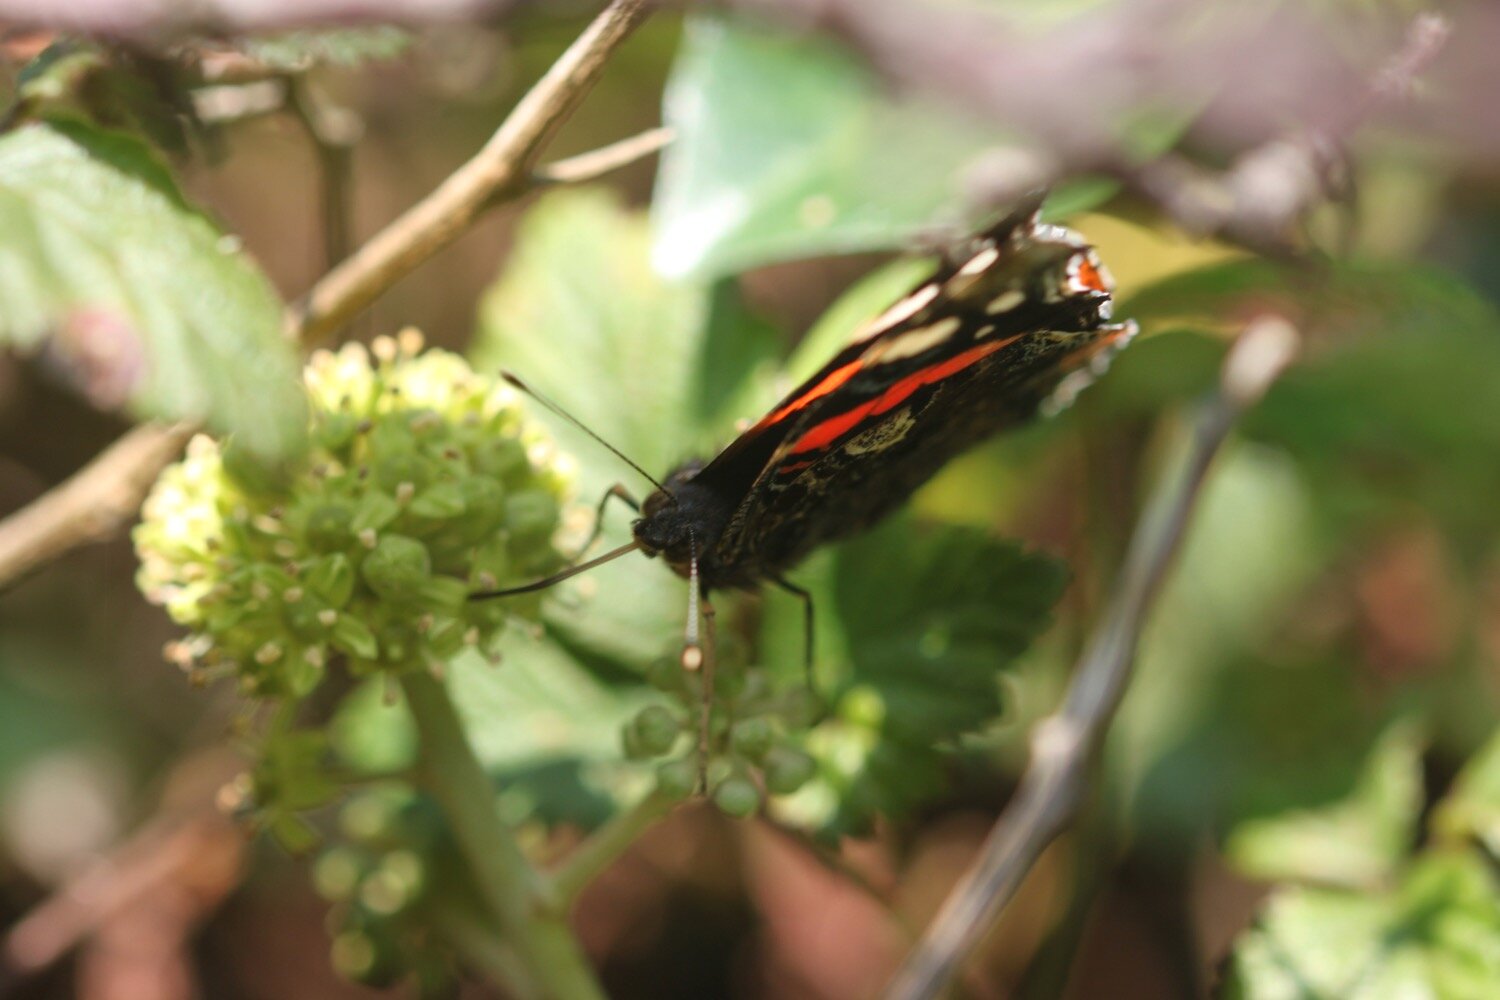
[(684, 521)]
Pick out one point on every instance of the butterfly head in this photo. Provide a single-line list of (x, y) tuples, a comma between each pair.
[(682, 516)]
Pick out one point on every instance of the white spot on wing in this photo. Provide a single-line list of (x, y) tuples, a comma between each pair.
[(903, 310), (1005, 302), (980, 261), (905, 345)]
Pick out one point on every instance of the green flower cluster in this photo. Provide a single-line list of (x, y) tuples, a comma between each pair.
[(423, 483), (380, 880), (754, 734)]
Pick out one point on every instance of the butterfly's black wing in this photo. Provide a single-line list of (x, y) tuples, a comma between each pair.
[(1014, 323)]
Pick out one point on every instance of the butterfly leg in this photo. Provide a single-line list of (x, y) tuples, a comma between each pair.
[(698, 654), (705, 713), (807, 627), (615, 492)]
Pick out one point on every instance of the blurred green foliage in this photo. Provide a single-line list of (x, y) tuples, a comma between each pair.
[(1319, 667)]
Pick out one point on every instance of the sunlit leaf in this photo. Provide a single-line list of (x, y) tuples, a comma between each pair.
[(1472, 808), (659, 369), (787, 147), (148, 303), (1437, 934), (1357, 841)]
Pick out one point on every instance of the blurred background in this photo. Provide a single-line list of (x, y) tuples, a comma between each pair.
[(1321, 669)]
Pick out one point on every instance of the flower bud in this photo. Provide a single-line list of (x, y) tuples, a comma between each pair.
[(751, 738), (787, 769), (652, 732), (397, 567), (737, 796), (423, 479)]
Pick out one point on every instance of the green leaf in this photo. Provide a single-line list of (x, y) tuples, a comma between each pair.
[(579, 314), (1359, 841), (788, 147), (863, 301), (1437, 935), (546, 729), (297, 50), (1395, 402), (1215, 728), (916, 628), (932, 617), (147, 301), (661, 370), (1472, 808)]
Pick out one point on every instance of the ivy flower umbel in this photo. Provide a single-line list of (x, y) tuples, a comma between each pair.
[(424, 481)]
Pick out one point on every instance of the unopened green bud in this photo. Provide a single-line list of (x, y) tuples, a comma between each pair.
[(423, 481), (337, 872), (737, 796), (751, 738), (787, 769), (666, 674), (530, 514), (655, 731), (397, 567), (503, 458), (676, 779), (329, 527)]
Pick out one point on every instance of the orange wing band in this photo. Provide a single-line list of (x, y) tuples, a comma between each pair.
[(824, 433)]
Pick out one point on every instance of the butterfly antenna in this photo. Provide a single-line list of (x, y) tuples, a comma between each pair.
[(514, 380), (558, 577)]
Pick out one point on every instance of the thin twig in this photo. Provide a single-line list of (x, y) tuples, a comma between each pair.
[(501, 169), (604, 160), (231, 103), (104, 495), (1063, 745), (91, 506), (333, 131), (605, 845), (185, 825), (1260, 197)]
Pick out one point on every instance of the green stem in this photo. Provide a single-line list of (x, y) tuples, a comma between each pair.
[(606, 844), (509, 886), (482, 950)]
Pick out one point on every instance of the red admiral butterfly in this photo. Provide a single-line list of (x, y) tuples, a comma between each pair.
[(1015, 321)]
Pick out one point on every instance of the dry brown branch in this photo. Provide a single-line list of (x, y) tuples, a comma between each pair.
[(189, 838), (160, 22), (604, 160), (1064, 744), (333, 132), (1262, 195), (92, 505), (101, 498), (501, 169)]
